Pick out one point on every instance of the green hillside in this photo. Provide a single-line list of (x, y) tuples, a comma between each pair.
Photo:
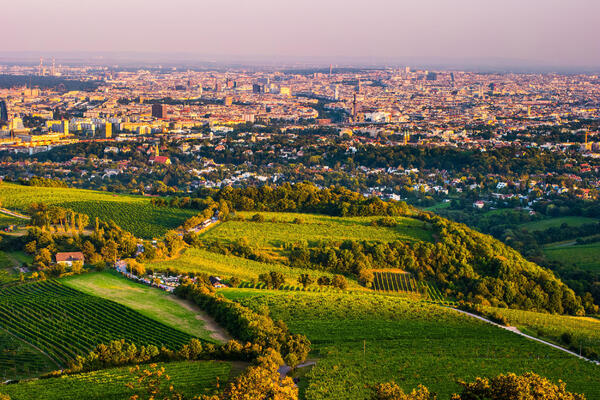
[(364, 339), (132, 213), (586, 256), (579, 333), (151, 302), (189, 378), (195, 260), (556, 222), (64, 322), (279, 229)]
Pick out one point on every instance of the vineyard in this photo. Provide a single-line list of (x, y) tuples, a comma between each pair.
[(64, 322), (149, 301), (403, 282), (362, 339), (132, 213), (279, 229), (189, 378), (583, 331), (202, 261), (19, 360)]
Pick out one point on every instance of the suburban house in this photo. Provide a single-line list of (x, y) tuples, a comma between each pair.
[(69, 258)]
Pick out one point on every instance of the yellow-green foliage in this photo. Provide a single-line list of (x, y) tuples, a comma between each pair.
[(192, 378), (202, 261), (281, 228), (584, 332), (132, 213)]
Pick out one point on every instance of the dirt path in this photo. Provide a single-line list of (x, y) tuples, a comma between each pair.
[(216, 331), (13, 214), (285, 369), (518, 332)]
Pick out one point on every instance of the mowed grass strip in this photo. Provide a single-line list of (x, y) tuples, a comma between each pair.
[(365, 339), (133, 213), (151, 302), (279, 229), (190, 378)]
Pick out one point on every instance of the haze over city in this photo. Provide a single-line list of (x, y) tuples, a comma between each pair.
[(462, 33), (300, 200)]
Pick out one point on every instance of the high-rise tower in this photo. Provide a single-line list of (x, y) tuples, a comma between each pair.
[(3, 111)]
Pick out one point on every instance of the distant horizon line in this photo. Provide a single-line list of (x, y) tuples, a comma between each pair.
[(189, 59)]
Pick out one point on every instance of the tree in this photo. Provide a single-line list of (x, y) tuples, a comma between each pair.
[(234, 281), (135, 267), (42, 259), (366, 277), (31, 247), (528, 386), (110, 251), (305, 280), (261, 382), (77, 267), (323, 281), (153, 383), (339, 281), (391, 391), (258, 218), (174, 243), (277, 279)]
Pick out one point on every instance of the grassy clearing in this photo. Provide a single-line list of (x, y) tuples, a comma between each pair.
[(438, 206), (279, 229), (133, 213), (202, 261), (585, 256), (151, 302), (188, 377), (365, 339), (556, 222)]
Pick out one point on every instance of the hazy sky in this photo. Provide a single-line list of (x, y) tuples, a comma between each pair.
[(551, 32)]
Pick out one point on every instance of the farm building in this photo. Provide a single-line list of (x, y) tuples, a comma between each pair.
[(69, 258)]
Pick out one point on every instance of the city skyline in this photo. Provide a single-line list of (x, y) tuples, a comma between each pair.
[(464, 33)]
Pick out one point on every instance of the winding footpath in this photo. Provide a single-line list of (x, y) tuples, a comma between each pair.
[(518, 332), (13, 214)]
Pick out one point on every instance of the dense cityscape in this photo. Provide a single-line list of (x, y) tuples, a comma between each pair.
[(318, 200)]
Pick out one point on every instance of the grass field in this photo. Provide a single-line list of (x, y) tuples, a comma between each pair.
[(188, 377), (586, 256), (132, 213), (556, 222), (585, 331), (64, 322), (226, 266), (151, 302), (365, 339), (314, 228)]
